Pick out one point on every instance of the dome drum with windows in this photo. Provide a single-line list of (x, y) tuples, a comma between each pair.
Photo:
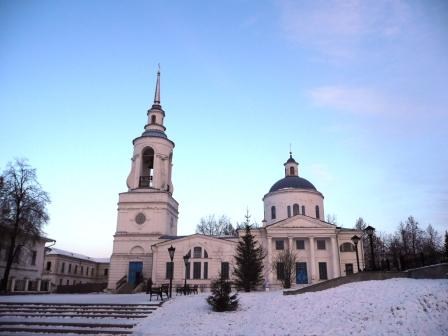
[(292, 196)]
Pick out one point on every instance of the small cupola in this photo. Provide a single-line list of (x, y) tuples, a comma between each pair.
[(291, 166)]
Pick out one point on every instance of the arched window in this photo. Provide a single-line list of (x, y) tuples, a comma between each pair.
[(197, 252), (153, 119), (317, 212), (273, 216), (289, 211), (303, 210), (347, 247), (291, 170), (295, 210), (147, 168)]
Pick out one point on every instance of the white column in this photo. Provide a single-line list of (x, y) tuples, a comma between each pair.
[(335, 258), (270, 280), (154, 266), (39, 283), (312, 260), (290, 241), (26, 285)]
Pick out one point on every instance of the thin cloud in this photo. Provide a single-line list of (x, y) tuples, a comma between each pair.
[(339, 28), (353, 100)]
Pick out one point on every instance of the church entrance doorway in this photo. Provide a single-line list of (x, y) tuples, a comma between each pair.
[(135, 272), (348, 269), (301, 273)]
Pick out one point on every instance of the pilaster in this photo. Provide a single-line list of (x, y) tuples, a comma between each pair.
[(312, 259)]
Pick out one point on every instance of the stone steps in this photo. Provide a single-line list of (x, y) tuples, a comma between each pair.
[(38, 318)]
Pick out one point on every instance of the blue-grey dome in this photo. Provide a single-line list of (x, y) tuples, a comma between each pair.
[(294, 182)]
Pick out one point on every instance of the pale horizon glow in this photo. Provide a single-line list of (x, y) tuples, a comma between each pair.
[(357, 88)]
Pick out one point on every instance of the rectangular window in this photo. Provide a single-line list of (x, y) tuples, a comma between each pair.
[(87, 271), (48, 268), (279, 245), (289, 211), (197, 270), (323, 271), (82, 270), (76, 269), (187, 271), (68, 282), (225, 270), (206, 270), (63, 268), (321, 244), (69, 268), (60, 282), (33, 257), (106, 271), (197, 252), (300, 244), (169, 270), (280, 271)]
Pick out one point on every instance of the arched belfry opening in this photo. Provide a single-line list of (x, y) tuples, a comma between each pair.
[(146, 174)]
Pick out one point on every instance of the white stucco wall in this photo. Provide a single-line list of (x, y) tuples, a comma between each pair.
[(218, 250), (283, 198)]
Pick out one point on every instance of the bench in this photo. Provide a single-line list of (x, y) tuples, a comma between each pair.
[(157, 291)]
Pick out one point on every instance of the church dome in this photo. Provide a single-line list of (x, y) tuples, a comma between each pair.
[(294, 182)]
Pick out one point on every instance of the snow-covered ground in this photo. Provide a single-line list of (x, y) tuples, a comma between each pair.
[(390, 307)]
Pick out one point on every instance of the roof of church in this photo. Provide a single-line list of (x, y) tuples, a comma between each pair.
[(294, 182), (291, 159), (154, 133)]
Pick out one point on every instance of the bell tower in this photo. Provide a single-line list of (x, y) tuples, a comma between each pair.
[(153, 152), (147, 210)]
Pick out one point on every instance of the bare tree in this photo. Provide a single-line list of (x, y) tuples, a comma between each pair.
[(331, 218), (284, 266), (211, 227), (23, 211), (432, 244), (445, 247)]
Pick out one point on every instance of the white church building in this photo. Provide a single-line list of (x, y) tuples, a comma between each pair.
[(148, 214)]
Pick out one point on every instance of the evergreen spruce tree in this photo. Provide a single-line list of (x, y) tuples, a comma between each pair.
[(249, 260)]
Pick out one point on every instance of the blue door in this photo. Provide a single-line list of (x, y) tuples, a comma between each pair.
[(301, 273), (135, 272)]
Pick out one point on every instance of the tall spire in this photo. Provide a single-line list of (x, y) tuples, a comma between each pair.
[(157, 93)]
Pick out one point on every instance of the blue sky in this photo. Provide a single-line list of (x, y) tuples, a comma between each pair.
[(359, 88)]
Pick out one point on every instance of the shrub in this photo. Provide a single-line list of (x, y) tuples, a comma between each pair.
[(221, 298)]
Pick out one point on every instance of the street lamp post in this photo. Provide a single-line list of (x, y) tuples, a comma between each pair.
[(370, 230), (355, 240), (171, 251), (186, 259)]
